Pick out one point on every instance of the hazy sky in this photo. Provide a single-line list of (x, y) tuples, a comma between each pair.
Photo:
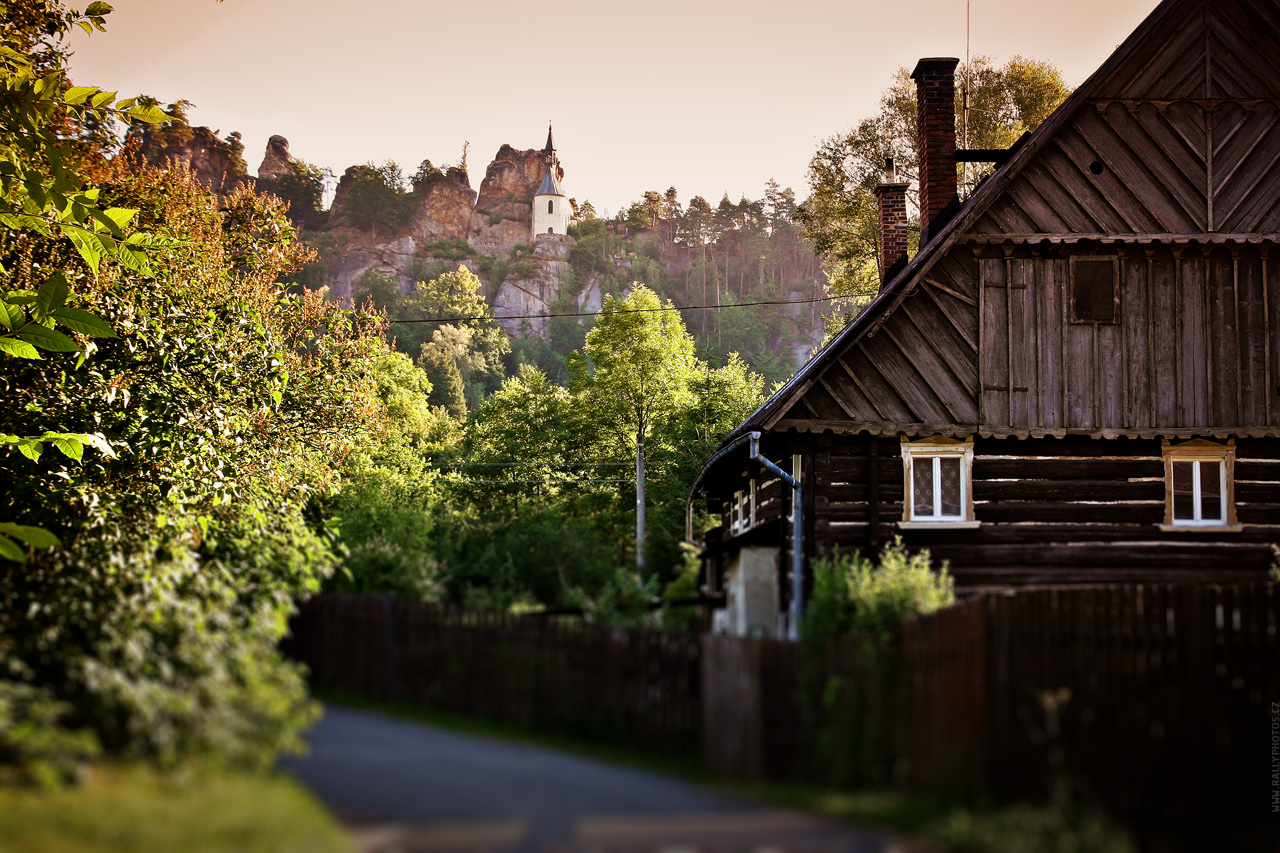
[(709, 96)]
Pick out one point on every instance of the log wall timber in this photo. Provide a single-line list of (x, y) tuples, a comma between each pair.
[(1072, 510)]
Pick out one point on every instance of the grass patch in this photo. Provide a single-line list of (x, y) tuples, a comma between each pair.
[(135, 809)]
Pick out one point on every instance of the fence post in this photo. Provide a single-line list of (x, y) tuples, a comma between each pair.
[(999, 716), (388, 648)]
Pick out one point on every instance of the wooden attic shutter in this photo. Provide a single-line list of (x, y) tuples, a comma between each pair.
[(1006, 341)]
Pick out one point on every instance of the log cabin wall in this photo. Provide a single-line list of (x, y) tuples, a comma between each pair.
[(1053, 511)]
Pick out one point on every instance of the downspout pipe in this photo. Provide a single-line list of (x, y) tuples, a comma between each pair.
[(752, 440), (797, 535)]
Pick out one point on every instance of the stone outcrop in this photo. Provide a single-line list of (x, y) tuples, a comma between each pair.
[(446, 210), (493, 222), (534, 293), (275, 162), (512, 179), (504, 211), (218, 163)]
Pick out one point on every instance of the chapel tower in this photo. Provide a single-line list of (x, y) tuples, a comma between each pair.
[(550, 205)]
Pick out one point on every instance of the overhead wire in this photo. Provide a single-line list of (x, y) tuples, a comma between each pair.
[(621, 311)]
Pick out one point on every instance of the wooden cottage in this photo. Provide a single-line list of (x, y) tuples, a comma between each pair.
[(1077, 377)]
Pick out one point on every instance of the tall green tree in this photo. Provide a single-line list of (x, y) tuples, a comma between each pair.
[(841, 214), (373, 198), (302, 186), (634, 373)]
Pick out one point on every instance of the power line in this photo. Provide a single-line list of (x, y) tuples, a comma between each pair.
[(623, 311), (451, 465)]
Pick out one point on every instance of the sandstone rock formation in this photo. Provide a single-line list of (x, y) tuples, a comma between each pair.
[(275, 162), (534, 293), (446, 210), (504, 211), (493, 222), (218, 163)]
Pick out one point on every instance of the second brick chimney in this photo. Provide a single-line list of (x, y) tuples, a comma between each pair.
[(936, 128), (892, 195)]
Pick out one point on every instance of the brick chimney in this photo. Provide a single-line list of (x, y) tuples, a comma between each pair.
[(892, 195), (936, 127)]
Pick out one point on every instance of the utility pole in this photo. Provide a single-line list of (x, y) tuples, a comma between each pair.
[(640, 502)]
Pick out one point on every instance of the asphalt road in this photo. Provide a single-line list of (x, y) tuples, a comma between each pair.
[(407, 787)]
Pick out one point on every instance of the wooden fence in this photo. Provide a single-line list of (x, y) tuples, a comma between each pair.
[(1154, 700), (635, 687), (1157, 701)]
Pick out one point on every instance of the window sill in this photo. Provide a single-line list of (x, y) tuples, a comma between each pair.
[(939, 525), (1201, 528)]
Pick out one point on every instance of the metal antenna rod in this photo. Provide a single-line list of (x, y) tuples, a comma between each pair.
[(964, 120)]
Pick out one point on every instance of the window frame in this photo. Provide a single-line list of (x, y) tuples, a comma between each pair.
[(1116, 282), (930, 449), (1199, 450)]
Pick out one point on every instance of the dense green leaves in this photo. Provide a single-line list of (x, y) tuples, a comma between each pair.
[(159, 569)]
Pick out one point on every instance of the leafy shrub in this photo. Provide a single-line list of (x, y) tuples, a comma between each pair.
[(854, 594), (620, 601), (33, 741), (455, 249), (864, 600), (1055, 828)]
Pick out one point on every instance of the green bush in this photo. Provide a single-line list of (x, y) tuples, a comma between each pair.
[(454, 249), (860, 601), (35, 747), (1031, 829), (852, 593)]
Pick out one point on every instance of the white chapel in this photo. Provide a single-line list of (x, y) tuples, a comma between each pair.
[(550, 205)]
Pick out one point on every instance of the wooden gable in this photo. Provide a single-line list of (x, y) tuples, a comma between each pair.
[(1182, 137), (1168, 161), (918, 373)]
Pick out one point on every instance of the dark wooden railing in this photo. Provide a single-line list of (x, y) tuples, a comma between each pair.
[(634, 687)]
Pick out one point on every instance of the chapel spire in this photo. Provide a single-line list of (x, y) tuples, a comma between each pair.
[(550, 150)]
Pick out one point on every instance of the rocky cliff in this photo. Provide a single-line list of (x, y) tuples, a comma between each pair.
[(218, 163), (504, 208), (447, 224)]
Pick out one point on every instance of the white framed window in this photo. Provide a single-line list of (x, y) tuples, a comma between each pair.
[(742, 510), (1199, 478), (937, 483)]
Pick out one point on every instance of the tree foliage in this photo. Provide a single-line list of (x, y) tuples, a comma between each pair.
[(373, 198), (302, 186), (841, 213), (225, 402)]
